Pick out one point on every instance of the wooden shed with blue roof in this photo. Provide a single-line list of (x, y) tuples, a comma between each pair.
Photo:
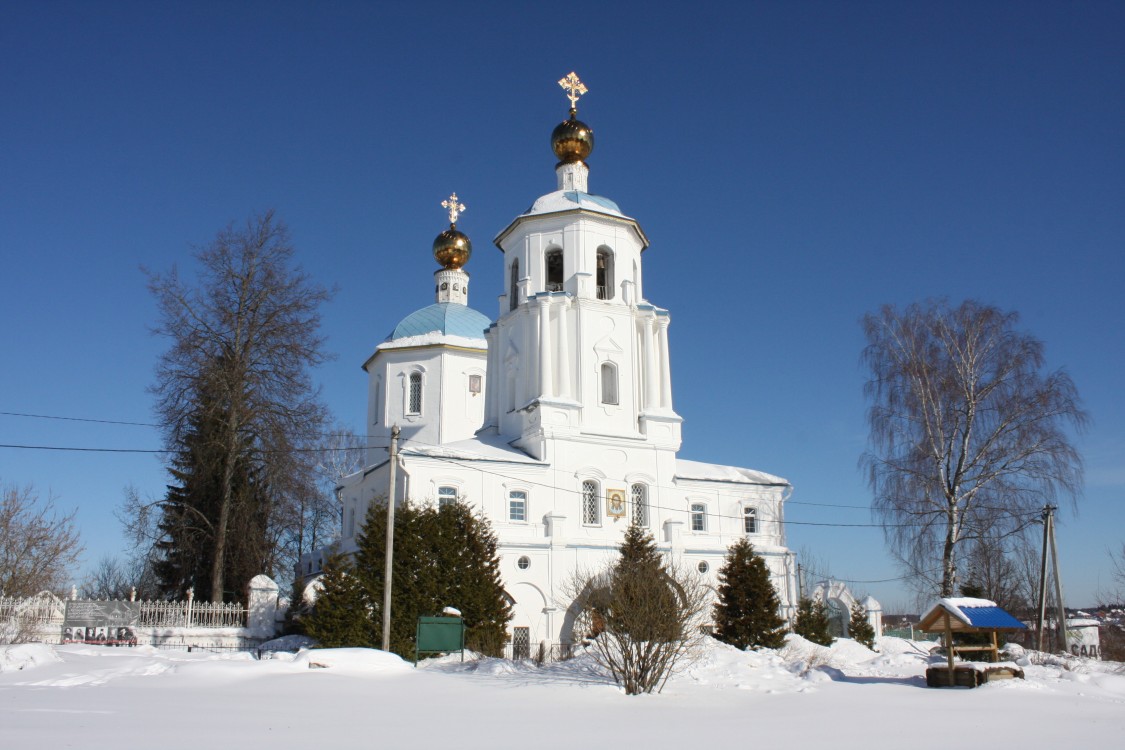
[(969, 615)]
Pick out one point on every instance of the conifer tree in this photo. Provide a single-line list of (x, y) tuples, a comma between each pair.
[(340, 616), (442, 558), (746, 614), (812, 622), (859, 628)]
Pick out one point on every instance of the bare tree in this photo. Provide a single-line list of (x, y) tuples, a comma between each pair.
[(236, 375), (644, 617), (39, 548), (968, 432), (114, 578)]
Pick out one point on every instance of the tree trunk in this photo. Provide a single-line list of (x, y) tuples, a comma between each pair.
[(948, 561)]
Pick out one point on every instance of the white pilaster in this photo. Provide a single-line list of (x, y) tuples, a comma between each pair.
[(665, 365), (545, 367), (565, 365), (652, 374)]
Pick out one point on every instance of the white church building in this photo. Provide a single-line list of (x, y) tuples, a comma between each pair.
[(556, 419)]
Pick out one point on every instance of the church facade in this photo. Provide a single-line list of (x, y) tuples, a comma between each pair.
[(556, 420)]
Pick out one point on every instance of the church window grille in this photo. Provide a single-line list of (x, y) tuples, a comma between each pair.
[(750, 520), (414, 401), (517, 506), (446, 496), (639, 496), (590, 504), (698, 517), (514, 285), (609, 383), (521, 643), (554, 263), (605, 273)]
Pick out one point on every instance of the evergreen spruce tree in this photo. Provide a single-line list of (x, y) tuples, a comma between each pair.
[(443, 558), (747, 611), (859, 628), (340, 617), (640, 587), (812, 622)]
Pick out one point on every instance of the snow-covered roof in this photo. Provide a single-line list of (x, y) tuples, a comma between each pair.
[(568, 200), (697, 470), (447, 318), (970, 614), (487, 445)]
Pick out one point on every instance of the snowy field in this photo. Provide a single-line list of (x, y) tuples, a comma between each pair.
[(803, 696)]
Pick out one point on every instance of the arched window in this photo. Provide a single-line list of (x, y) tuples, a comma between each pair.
[(698, 517), (514, 285), (590, 504), (414, 396), (605, 273), (554, 263), (609, 383), (639, 495), (750, 520)]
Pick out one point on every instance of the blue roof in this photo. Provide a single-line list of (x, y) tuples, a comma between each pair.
[(991, 617), (449, 318)]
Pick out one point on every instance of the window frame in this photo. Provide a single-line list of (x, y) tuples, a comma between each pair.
[(524, 502), (750, 513), (446, 498), (640, 518), (414, 379), (698, 510), (590, 494), (604, 397)]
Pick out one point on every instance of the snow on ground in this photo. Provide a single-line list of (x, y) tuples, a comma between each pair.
[(99, 697)]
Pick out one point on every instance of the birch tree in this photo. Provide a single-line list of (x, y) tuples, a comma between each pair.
[(970, 434)]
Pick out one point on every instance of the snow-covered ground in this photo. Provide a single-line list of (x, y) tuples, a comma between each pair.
[(843, 697)]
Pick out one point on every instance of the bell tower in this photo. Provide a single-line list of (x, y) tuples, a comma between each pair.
[(578, 353)]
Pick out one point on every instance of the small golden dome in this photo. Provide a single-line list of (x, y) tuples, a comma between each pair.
[(572, 140), (452, 248)]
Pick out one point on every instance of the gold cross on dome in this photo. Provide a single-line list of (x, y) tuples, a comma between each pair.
[(573, 88), (454, 207)]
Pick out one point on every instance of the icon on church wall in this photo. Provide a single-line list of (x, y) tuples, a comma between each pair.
[(615, 503)]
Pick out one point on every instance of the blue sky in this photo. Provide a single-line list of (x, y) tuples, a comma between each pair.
[(795, 166)]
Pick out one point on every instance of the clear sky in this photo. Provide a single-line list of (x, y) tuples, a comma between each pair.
[(794, 164)]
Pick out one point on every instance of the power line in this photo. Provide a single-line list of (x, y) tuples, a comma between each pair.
[(76, 419)]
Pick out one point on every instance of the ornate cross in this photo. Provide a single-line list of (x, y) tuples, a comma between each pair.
[(573, 88), (454, 207)]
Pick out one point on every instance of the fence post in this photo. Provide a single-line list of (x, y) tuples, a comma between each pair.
[(190, 597), (261, 610)]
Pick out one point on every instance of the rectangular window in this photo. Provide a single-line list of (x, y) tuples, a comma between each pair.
[(750, 520), (517, 505), (609, 383), (446, 496), (698, 517), (414, 401), (521, 643), (590, 502), (475, 384), (639, 497)]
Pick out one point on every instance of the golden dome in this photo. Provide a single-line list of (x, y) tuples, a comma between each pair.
[(572, 140), (452, 248)]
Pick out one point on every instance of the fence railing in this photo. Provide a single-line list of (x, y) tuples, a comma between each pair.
[(42, 609), (541, 653)]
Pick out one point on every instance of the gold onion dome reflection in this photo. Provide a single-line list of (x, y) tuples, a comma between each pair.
[(452, 248)]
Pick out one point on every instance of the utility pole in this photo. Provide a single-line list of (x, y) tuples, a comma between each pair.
[(1050, 544), (390, 540)]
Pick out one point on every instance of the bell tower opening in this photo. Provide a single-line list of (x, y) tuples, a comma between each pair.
[(514, 285), (554, 264), (605, 273)]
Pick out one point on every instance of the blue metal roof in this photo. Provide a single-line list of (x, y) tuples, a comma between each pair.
[(991, 617), (449, 318)]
